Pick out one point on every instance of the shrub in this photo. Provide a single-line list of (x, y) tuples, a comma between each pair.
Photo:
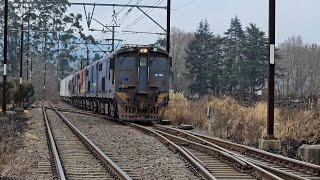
[(243, 124), (27, 91), (11, 87)]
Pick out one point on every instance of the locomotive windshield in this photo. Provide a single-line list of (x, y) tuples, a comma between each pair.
[(159, 64), (127, 63), (143, 61)]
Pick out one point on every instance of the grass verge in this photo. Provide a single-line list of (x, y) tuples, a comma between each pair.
[(242, 124)]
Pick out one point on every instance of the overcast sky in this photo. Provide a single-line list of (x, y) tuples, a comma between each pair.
[(294, 17)]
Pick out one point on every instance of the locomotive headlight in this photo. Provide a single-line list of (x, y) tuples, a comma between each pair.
[(155, 49), (143, 50)]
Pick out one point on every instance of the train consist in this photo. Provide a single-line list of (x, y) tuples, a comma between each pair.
[(131, 84)]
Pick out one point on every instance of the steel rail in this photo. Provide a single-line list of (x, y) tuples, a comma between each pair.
[(257, 170), (193, 156), (105, 159), (52, 144), (206, 149), (202, 170), (264, 155), (200, 139), (239, 163), (280, 173)]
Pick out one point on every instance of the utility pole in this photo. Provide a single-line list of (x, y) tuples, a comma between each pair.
[(112, 48), (88, 61), (30, 69), (272, 20), (45, 65), (113, 37), (5, 51), (28, 46), (168, 24), (21, 62)]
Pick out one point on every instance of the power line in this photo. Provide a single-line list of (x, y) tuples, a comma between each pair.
[(157, 3), (139, 18), (123, 8), (190, 2), (128, 12)]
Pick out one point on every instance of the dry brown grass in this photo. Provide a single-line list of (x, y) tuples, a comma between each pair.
[(243, 124), (10, 164)]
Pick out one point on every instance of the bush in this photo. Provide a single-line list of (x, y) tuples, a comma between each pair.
[(13, 91), (11, 87), (241, 124), (27, 91)]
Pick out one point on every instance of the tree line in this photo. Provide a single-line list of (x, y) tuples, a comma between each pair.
[(205, 63), (51, 34), (220, 65)]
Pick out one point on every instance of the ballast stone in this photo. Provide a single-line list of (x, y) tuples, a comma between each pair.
[(310, 153)]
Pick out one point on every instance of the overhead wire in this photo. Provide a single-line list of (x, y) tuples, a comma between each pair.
[(174, 11), (157, 3), (131, 25), (123, 8), (122, 18), (182, 6)]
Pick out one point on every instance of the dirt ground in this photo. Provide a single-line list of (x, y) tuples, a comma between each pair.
[(29, 158)]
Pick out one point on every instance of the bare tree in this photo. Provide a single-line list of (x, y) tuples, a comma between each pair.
[(301, 63), (179, 41)]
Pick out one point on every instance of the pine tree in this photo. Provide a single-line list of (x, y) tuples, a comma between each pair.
[(234, 60), (202, 60), (215, 64), (256, 53)]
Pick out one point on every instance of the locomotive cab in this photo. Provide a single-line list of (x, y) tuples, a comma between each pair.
[(141, 83)]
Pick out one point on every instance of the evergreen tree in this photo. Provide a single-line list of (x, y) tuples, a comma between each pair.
[(234, 59), (215, 63), (202, 60), (256, 53)]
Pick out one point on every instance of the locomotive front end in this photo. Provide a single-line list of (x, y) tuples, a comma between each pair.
[(142, 83)]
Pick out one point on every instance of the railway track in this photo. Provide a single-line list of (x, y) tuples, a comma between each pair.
[(280, 166), (218, 159), (216, 167), (210, 162), (74, 155)]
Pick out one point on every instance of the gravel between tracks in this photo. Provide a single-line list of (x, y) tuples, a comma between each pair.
[(78, 161), (147, 156)]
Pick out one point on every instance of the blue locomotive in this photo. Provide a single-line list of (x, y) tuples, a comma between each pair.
[(131, 84)]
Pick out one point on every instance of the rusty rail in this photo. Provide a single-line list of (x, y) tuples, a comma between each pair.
[(105, 159), (54, 150), (260, 170), (224, 144), (266, 156), (225, 154)]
